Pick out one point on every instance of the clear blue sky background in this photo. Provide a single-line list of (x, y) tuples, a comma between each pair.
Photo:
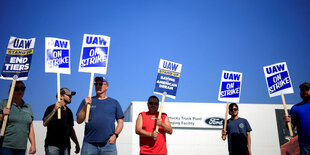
[(206, 36)]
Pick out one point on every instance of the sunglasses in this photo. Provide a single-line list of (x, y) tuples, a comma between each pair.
[(234, 109), (19, 88), (100, 84), (304, 89), (153, 103)]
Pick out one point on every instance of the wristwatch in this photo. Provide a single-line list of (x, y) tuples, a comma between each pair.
[(115, 134)]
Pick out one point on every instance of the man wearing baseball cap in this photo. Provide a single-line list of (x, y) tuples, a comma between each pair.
[(299, 117), (100, 132), (59, 131)]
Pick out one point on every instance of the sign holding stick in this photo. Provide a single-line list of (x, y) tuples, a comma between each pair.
[(57, 60), (89, 95), (94, 59), (230, 91), (167, 81), (279, 83), (225, 121), (16, 66), (5, 119), (161, 109)]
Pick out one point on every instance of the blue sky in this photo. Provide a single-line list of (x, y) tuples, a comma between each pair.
[(205, 36)]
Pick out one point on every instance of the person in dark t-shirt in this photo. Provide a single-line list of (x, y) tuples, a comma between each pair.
[(238, 130), (59, 131)]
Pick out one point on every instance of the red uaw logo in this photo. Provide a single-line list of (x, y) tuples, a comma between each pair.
[(214, 121)]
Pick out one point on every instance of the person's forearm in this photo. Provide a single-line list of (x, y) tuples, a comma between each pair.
[(80, 117), (1, 117), (49, 117), (32, 136), (144, 133), (73, 136), (119, 127), (249, 141), (167, 128)]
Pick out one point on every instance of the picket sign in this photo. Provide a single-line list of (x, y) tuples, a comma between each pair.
[(16, 66), (94, 59), (57, 60), (167, 78), (230, 91), (279, 83), (167, 82), (5, 119)]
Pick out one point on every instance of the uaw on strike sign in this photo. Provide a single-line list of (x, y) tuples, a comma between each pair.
[(18, 59), (167, 78), (230, 88), (57, 55), (278, 79), (95, 54)]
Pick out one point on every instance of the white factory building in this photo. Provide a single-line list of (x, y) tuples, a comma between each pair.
[(196, 128)]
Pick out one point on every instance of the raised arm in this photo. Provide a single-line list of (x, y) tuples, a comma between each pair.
[(142, 132), (166, 126), (80, 117)]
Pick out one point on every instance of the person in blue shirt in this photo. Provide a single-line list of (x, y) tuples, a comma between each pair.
[(300, 119), (100, 132), (238, 131)]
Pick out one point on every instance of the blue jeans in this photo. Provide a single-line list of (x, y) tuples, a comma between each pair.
[(305, 150), (98, 149), (9, 151), (54, 150)]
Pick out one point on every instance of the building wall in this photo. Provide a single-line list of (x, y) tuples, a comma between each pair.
[(194, 140)]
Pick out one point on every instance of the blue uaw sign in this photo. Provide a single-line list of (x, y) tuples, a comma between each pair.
[(57, 55), (168, 78), (95, 54), (278, 79), (18, 59), (230, 88)]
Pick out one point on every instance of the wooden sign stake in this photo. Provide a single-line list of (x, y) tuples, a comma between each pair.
[(89, 95), (225, 122), (5, 119), (160, 110), (286, 114), (58, 95)]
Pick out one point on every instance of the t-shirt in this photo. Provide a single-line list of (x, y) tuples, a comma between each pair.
[(101, 122), (147, 144), (59, 130), (18, 125), (237, 137), (300, 116)]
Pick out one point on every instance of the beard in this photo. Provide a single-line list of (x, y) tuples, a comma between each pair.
[(305, 97)]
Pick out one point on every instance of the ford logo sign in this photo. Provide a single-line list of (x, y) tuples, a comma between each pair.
[(215, 121)]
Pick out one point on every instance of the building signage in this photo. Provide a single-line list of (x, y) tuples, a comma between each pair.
[(196, 122)]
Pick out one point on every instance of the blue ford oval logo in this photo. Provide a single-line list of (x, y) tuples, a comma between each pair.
[(215, 121)]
